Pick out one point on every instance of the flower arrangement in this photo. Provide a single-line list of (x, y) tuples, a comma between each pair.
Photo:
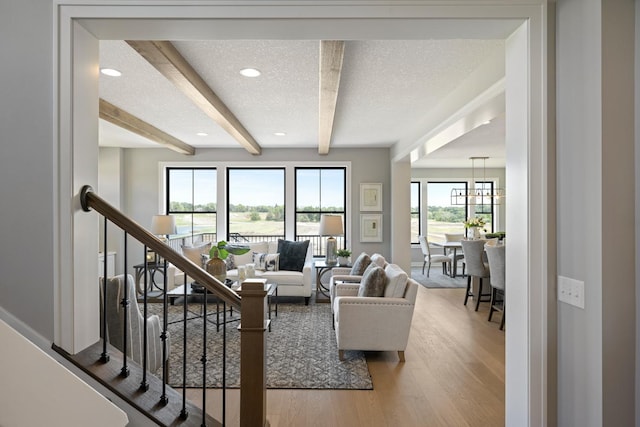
[(474, 222)]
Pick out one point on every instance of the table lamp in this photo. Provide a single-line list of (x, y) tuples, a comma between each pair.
[(331, 225), (162, 226)]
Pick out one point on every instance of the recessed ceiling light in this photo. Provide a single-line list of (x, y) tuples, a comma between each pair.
[(486, 122), (202, 134), (279, 133), (250, 72), (110, 72)]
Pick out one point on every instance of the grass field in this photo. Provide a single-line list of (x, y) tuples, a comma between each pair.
[(240, 222)]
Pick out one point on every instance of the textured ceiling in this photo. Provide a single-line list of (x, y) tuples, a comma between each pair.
[(387, 90)]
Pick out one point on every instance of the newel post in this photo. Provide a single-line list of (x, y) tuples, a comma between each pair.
[(253, 348)]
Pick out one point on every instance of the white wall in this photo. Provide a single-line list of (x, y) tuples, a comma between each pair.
[(26, 154), (78, 405), (596, 346)]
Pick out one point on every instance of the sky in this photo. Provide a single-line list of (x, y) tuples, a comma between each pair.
[(255, 187)]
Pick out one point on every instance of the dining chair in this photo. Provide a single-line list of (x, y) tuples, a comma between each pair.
[(496, 257), (473, 251), (429, 257), (459, 257)]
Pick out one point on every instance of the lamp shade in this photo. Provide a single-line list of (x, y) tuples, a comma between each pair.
[(163, 224), (331, 225)]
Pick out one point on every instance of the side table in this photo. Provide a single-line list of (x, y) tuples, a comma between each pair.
[(321, 269), (154, 289)]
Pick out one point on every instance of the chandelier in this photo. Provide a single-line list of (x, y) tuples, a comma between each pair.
[(479, 193)]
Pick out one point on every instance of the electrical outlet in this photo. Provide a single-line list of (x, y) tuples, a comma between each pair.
[(571, 291)]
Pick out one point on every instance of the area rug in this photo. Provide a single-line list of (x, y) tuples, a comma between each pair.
[(301, 351), (436, 279)]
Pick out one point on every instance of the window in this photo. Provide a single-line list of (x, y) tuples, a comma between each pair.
[(442, 217), (484, 205), (319, 191), (256, 210), (191, 199), (415, 211)]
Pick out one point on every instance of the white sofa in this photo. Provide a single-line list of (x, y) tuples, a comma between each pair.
[(375, 323), (290, 283)]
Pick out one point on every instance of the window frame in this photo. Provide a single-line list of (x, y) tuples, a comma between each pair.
[(342, 240), (413, 213), (228, 171), (192, 212), (459, 182)]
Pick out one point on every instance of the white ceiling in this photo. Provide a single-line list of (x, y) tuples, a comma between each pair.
[(388, 90)]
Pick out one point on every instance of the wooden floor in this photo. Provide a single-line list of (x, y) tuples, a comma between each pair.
[(453, 376)]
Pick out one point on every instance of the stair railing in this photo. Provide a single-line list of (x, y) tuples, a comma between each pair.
[(250, 305)]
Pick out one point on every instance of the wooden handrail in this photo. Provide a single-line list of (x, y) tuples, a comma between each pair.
[(90, 200)]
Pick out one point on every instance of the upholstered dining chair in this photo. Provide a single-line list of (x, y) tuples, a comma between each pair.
[(456, 237), (116, 290), (476, 267), (496, 257), (431, 257)]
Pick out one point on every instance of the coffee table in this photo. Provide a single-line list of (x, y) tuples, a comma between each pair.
[(178, 292)]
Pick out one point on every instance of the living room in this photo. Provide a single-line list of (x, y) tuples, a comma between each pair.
[(534, 179)]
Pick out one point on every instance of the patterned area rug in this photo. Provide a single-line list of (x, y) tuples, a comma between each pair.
[(301, 350), (436, 279)]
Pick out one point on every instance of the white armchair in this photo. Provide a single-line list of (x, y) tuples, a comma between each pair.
[(343, 275), (375, 323)]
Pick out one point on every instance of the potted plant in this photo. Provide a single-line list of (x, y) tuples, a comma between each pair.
[(218, 253), (343, 256)]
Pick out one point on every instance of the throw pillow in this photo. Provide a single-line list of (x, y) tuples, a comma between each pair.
[(360, 265), (266, 262), (193, 253), (373, 283), (292, 254), (397, 281)]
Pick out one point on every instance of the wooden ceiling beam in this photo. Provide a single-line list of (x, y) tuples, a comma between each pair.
[(331, 58), (118, 117), (165, 58)]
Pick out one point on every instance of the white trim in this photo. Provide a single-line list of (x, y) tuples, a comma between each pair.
[(346, 19)]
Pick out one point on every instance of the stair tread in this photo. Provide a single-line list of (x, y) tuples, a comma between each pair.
[(128, 388)]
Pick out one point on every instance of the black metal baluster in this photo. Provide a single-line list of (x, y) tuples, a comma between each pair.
[(104, 357), (144, 385), (183, 413), (124, 372), (164, 399), (224, 363), (204, 359)]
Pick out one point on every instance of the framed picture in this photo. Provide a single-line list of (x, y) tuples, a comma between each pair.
[(371, 227), (371, 197)]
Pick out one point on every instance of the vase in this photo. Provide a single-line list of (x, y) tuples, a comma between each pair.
[(343, 261), (217, 268), (475, 233)]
